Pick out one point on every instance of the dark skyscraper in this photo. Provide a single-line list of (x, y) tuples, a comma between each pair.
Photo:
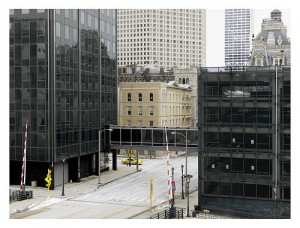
[(244, 143), (63, 83)]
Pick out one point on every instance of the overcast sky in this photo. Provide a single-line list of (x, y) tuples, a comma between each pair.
[(215, 14), (215, 32)]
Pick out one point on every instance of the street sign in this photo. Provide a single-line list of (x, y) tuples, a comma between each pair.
[(173, 186)]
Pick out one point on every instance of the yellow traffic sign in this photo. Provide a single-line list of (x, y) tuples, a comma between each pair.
[(48, 179)]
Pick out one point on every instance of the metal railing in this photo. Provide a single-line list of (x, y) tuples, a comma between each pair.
[(175, 213)]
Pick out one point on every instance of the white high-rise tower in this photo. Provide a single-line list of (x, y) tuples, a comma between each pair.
[(166, 37), (238, 30)]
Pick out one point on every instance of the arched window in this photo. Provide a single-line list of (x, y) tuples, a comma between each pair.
[(151, 96), (140, 97), (188, 81), (183, 81), (258, 62), (179, 80), (129, 97)]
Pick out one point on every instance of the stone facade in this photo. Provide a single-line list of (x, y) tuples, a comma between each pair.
[(271, 46), (189, 76), (154, 104)]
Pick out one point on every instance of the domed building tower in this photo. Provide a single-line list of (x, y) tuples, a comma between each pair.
[(271, 46)]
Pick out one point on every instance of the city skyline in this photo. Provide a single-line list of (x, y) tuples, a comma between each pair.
[(213, 61)]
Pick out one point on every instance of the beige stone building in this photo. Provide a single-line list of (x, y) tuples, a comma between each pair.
[(188, 76), (154, 104)]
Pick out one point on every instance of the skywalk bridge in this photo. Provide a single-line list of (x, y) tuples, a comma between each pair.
[(152, 138)]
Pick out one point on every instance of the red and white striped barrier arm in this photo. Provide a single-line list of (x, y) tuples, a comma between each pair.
[(23, 172)]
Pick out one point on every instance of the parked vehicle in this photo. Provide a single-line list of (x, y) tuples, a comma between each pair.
[(131, 161)]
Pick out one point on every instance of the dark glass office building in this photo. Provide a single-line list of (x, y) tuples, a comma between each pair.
[(63, 83), (244, 143)]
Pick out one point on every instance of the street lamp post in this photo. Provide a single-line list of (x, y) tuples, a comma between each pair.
[(99, 152), (182, 193), (188, 178), (174, 133), (63, 185)]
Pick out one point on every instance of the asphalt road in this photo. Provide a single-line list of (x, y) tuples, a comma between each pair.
[(125, 197)]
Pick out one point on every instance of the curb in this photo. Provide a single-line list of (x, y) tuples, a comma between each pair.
[(29, 206), (145, 211)]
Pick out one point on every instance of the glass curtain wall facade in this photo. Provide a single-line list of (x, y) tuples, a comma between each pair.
[(62, 69), (241, 158), (29, 86)]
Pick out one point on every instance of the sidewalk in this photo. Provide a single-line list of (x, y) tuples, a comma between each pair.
[(88, 184), (42, 199), (180, 203)]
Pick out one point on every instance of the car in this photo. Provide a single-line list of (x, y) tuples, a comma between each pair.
[(131, 161)]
